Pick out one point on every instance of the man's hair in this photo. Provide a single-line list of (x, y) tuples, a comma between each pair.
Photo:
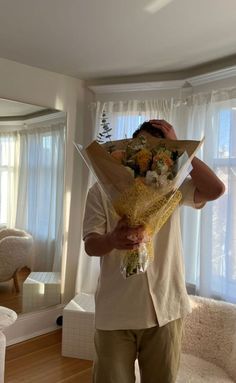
[(149, 128)]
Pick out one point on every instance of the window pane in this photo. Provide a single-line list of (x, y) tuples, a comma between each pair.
[(224, 135), (3, 195), (224, 235), (7, 149), (125, 125), (224, 210)]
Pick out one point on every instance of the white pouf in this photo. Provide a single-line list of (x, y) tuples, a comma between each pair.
[(2, 356), (41, 289), (78, 327), (7, 317)]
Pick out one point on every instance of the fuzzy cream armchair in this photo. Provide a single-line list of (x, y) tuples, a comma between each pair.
[(16, 251), (209, 343)]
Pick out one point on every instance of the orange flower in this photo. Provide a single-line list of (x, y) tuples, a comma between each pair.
[(143, 158), (141, 179), (163, 157)]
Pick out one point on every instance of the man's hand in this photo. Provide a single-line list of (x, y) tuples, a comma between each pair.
[(124, 237), (166, 128)]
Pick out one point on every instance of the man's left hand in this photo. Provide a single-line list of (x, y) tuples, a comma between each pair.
[(166, 128)]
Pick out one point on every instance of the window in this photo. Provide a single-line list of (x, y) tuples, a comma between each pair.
[(8, 173), (126, 125), (224, 209)]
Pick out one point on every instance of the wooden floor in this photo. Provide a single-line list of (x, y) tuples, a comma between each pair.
[(39, 360), (8, 295)]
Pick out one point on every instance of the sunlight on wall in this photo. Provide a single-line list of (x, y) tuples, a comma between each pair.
[(65, 242), (59, 104), (156, 5)]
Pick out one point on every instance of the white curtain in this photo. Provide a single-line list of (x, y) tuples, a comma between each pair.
[(35, 158), (209, 235), (9, 164), (209, 238)]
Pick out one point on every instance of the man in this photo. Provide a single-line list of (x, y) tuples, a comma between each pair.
[(142, 316)]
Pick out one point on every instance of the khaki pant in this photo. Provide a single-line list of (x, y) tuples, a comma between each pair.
[(157, 349)]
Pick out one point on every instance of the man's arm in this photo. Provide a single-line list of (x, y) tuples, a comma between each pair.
[(122, 237), (208, 186)]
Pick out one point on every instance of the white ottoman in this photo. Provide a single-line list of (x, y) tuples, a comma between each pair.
[(7, 317), (78, 327), (2, 356), (41, 289)]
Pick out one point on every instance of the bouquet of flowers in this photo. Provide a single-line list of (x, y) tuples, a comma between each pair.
[(141, 177)]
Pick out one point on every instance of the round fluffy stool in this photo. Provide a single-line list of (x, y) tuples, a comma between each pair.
[(7, 317)]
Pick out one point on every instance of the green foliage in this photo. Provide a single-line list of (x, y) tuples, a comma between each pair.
[(105, 134)]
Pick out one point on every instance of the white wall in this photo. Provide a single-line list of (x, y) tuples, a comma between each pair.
[(79, 187), (225, 83), (137, 95), (35, 86)]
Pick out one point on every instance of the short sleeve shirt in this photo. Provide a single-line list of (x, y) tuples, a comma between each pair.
[(155, 297)]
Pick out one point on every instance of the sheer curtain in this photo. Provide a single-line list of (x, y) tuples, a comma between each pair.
[(209, 238), (9, 164), (32, 187), (40, 195), (209, 235)]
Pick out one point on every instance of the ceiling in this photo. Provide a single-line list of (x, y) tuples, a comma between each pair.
[(9, 108), (96, 39), (18, 110)]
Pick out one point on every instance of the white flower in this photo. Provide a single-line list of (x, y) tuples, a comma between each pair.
[(151, 177), (131, 171), (163, 181), (158, 181), (164, 168)]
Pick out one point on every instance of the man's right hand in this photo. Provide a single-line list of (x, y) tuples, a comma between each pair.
[(125, 237), (122, 237)]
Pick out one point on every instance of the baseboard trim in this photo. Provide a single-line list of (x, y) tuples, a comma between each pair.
[(33, 324)]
